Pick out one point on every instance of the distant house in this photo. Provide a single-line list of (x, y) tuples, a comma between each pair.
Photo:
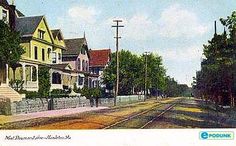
[(77, 55), (62, 74), (99, 60)]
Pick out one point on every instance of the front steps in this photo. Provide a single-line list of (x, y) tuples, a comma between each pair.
[(10, 93)]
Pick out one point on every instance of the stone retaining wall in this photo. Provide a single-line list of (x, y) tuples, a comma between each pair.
[(29, 106), (38, 105), (42, 104)]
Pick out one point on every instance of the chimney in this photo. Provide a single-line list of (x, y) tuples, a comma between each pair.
[(215, 29), (12, 16)]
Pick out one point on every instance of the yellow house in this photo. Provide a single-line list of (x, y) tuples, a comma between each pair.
[(42, 47), (38, 43)]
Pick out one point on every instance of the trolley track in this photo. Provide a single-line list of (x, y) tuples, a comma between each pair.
[(143, 119)]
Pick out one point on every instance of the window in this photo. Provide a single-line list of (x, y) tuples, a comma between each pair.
[(34, 73), (4, 15), (59, 56), (90, 83), (49, 52), (87, 66), (81, 80), (83, 65), (35, 53), (97, 70), (43, 54), (78, 64), (41, 34), (82, 51), (56, 78), (54, 57)]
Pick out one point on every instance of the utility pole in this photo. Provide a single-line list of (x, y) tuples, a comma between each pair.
[(117, 37), (145, 82)]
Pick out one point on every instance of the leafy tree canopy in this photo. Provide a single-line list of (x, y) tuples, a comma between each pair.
[(10, 49)]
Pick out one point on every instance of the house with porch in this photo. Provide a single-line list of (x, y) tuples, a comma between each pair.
[(38, 43), (77, 55), (43, 47), (63, 76), (99, 60)]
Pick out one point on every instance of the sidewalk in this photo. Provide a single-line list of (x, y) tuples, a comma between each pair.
[(53, 113)]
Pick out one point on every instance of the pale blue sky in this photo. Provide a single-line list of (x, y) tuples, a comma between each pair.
[(175, 29)]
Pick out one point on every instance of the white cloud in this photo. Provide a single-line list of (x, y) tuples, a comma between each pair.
[(83, 14), (184, 54), (139, 27), (177, 22)]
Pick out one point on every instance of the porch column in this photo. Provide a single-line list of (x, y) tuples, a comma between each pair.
[(37, 76), (23, 74), (7, 75), (31, 73)]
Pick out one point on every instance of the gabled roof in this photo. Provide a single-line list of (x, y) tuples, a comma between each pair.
[(27, 25), (74, 46), (99, 58)]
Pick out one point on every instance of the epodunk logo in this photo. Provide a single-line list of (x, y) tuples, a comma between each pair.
[(216, 135)]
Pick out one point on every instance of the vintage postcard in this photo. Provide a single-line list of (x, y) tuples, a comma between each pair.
[(117, 72)]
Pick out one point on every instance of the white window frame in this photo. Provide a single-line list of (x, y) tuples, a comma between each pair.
[(41, 34), (54, 58)]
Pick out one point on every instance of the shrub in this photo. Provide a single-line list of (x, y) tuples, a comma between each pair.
[(30, 94), (59, 93), (44, 81), (90, 93), (17, 85)]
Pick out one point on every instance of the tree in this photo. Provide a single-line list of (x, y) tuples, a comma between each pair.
[(216, 79), (156, 72), (91, 94), (10, 48), (130, 68), (132, 74)]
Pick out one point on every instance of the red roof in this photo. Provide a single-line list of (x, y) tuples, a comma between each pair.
[(99, 58)]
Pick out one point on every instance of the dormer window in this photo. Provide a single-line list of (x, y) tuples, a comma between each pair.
[(82, 51), (4, 16), (41, 34)]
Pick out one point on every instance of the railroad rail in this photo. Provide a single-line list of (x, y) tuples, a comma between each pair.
[(155, 115)]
